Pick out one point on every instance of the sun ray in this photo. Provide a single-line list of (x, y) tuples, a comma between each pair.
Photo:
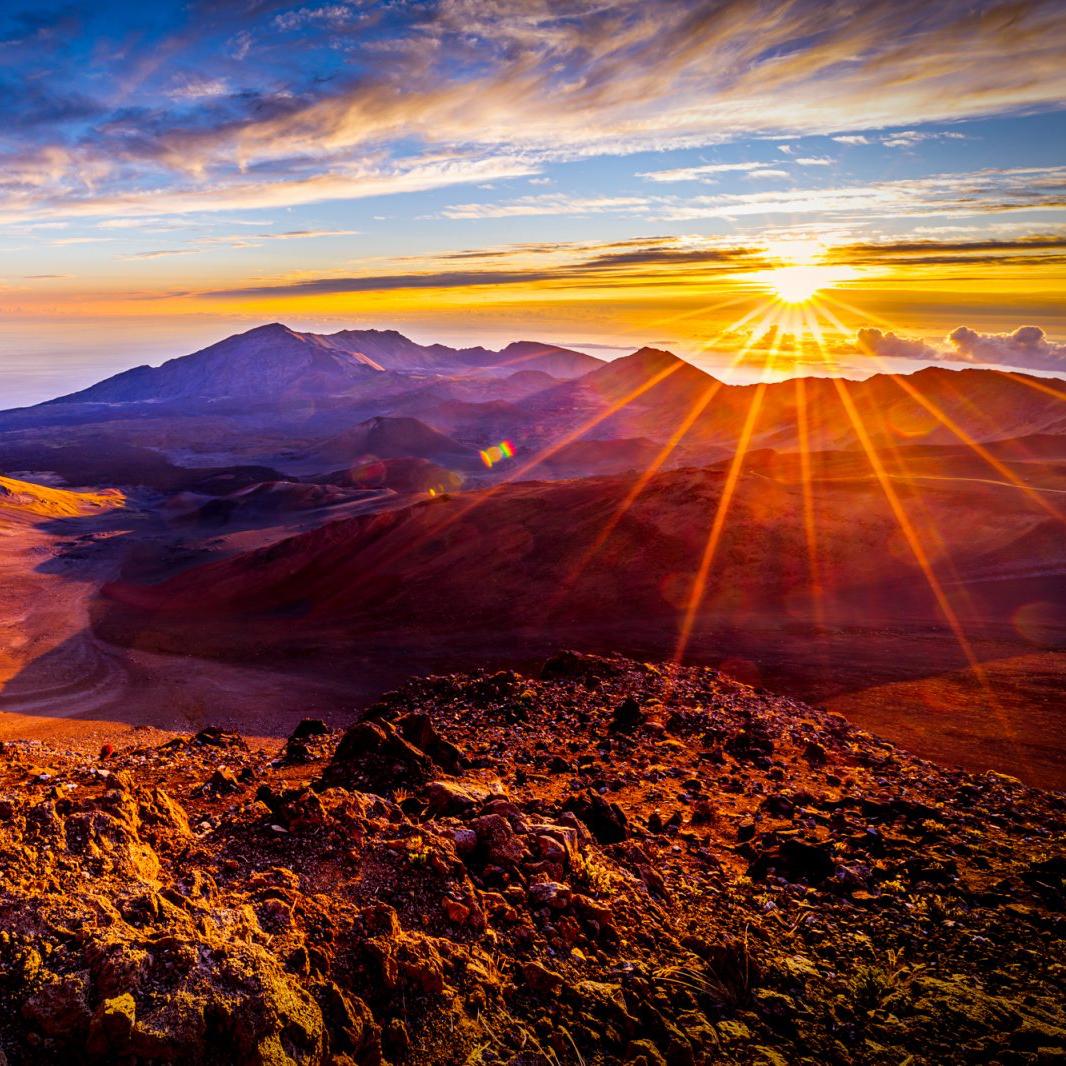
[(1022, 379), (806, 485), (918, 550), (638, 487), (480, 498), (714, 535), (952, 426), (915, 545), (895, 505), (1033, 383)]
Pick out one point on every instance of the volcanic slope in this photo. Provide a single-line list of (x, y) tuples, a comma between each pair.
[(26, 500), (576, 551), (273, 364), (699, 873), (513, 571), (653, 393)]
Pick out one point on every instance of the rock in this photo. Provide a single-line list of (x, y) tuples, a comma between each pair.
[(112, 1025), (795, 860), (309, 727), (465, 841), (643, 1053), (563, 837), (572, 664), (540, 979), (497, 839), (223, 782), (215, 737), (374, 756), (419, 730), (60, 1008), (815, 754), (550, 894), (606, 821), (627, 716), (454, 911), (450, 797)]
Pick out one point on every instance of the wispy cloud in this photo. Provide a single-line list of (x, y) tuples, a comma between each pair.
[(911, 138), (159, 253), (702, 172), (482, 85), (617, 262), (194, 88), (989, 191)]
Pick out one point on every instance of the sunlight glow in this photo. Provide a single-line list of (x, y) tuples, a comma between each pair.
[(802, 271)]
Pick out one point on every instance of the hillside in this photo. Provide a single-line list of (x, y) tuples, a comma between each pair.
[(276, 366), (530, 553), (25, 499), (390, 438), (268, 363), (698, 873)]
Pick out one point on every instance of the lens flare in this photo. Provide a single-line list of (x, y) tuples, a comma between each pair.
[(496, 453)]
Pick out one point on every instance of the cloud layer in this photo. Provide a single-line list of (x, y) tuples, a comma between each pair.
[(312, 102), (1028, 347)]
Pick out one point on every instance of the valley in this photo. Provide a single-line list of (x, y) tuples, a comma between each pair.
[(315, 544)]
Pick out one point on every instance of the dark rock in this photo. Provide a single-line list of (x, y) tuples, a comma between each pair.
[(627, 716), (419, 730), (606, 821), (309, 727)]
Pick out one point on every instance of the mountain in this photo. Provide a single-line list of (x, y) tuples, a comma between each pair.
[(390, 438), (394, 351), (655, 395), (266, 364)]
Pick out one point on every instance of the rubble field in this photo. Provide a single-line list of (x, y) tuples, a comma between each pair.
[(609, 862)]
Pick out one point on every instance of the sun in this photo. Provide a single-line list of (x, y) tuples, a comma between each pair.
[(797, 284), (802, 272)]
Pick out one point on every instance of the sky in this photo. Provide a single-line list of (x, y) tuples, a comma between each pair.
[(602, 175)]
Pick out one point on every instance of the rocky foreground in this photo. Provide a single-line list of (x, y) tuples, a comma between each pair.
[(610, 862)]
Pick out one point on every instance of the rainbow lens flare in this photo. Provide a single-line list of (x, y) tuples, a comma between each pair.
[(496, 453)]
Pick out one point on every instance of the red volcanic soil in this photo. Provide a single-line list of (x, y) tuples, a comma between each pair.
[(597, 862), (505, 573)]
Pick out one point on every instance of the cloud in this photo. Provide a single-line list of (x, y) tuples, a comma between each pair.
[(385, 282), (892, 346), (160, 253), (767, 172), (547, 205), (194, 88), (536, 82), (910, 138), (240, 45), (989, 191), (328, 13), (307, 234), (352, 183), (637, 261), (852, 138), (1027, 346), (701, 172), (814, 161)]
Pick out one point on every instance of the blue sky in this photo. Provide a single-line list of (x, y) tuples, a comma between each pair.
[(469, 170)]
